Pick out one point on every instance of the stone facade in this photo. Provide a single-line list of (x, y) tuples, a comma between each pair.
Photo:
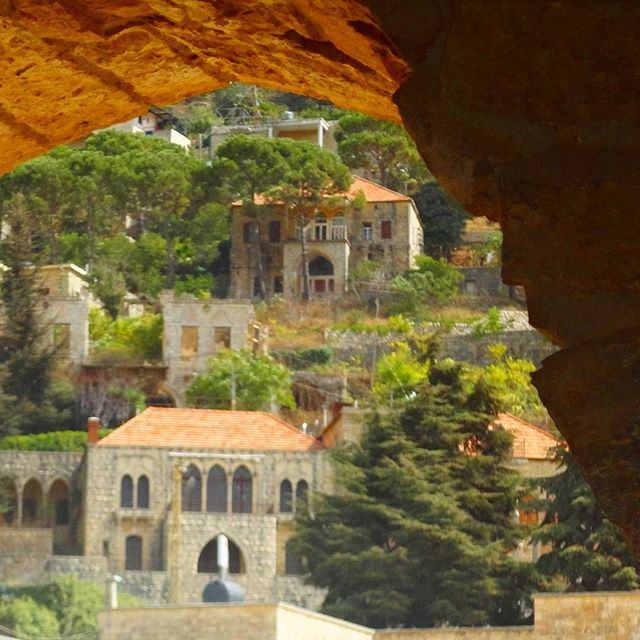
[(194, 330), (480, 281), (385, 229)]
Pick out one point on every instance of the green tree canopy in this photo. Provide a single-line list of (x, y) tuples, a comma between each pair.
[(588, 552), (383, 149), (257, 380), (442, 220), (420, 531)]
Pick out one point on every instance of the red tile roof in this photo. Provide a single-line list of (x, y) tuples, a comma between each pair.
[(210, 429), (372, 191), (529, 441)]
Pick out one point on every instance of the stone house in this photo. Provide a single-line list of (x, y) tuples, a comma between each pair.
[(372, 223), (148, 501)]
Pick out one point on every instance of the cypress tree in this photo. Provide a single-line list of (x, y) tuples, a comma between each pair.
[(421, 527)]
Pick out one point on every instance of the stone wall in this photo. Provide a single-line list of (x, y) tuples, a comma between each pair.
[(480, 281), (24, 553), (588, 616), (463, 347), (214, 324), (68, 324)]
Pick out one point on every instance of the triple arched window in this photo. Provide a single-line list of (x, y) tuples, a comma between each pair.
[(217, 490), (287, 503), (127, 492)]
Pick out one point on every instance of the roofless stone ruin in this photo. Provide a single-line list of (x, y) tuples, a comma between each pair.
[(526, 112)]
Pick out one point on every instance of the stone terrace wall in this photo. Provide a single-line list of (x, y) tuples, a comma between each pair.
[(587, 616), (480, 281), (24, 553)]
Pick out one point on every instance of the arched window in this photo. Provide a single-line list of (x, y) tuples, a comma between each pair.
[(143, 493), (242, 491), (302, 492), (9, 494), (286, 497), (59, 504), (208, 559), (320, 266), (292, 561), (126, 492), (217, 490), (133, 553), (32, 503), (191, 489)]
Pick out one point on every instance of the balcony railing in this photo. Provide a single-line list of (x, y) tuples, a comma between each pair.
[(324, 233)]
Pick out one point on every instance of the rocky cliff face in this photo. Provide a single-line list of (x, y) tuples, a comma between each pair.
[(526, 111)]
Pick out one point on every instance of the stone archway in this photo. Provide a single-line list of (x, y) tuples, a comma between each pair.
[(526, 112)]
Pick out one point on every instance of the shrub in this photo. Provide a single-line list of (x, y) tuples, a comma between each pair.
[(303, 358), (28, 618), (52, 441)]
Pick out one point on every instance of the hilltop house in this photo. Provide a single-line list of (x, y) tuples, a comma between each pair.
[(374, 223)]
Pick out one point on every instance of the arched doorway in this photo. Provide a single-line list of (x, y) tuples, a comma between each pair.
[(32, 507), (208, 559), (217, 490), (59, 505), (321, 276), (242, 491), (8, 503)]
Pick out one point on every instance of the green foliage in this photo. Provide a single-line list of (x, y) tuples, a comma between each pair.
[(509, 379), (28, 618), (492, 323), (489, 252), (433, 279), (588, 552), (383, 149), (83, 199), (442, 220), (420, 532), (136, 339), (51, 441), (303, 358), (69, 606), (398, 373), (259, 381)]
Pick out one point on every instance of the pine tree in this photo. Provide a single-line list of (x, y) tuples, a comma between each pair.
[(29, 400), (419, 532), (588, 552)]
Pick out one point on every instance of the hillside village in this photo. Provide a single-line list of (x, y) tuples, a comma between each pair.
[(235, 295)]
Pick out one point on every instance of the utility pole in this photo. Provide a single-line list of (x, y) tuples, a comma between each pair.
[(233, 389)]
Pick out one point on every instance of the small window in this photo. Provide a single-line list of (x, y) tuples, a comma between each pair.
[(191, 489), (367, 231), (302, 492), (274, 231), (241, 499), (217, 490), (222, 338), (126, 492), (105, 548), (133, 553), (256, 287), (249, 232), (286, 497), (143, 492), (189, 342), (278, 285), (385, 229)]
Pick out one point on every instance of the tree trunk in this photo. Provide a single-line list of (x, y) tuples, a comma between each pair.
[(306, 280)]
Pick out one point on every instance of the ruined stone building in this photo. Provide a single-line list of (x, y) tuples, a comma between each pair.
[(374, 223)]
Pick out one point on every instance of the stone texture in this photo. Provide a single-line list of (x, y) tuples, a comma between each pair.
[(526, 112)]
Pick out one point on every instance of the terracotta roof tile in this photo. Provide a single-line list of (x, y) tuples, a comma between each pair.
[(372, 191), (529, 440), (210, 429)]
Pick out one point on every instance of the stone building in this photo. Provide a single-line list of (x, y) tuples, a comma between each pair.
[(148, 501), (372, 223), (195, 329)]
